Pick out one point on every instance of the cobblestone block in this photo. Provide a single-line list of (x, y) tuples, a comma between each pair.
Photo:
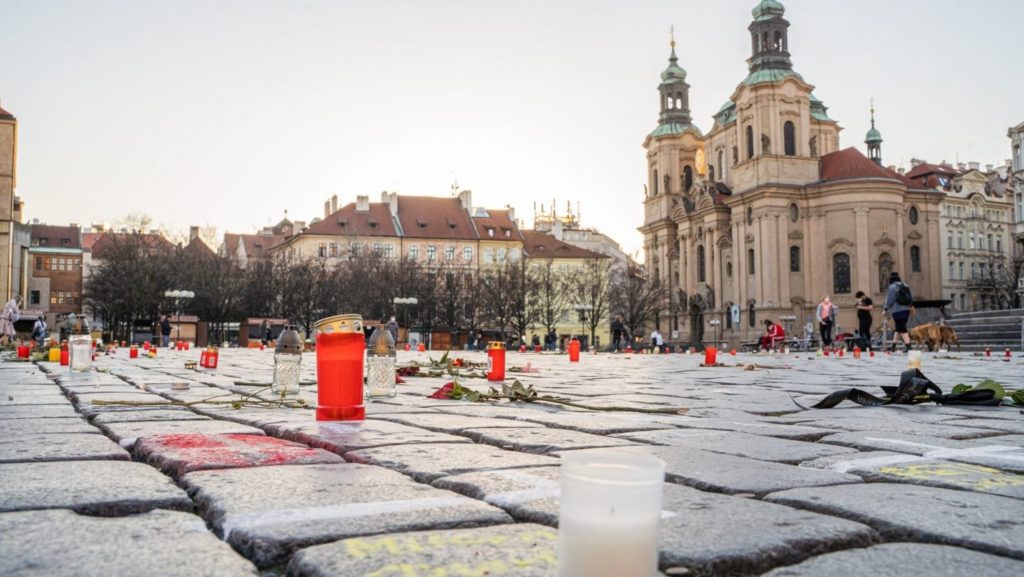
[(36, 448), (452, 424), (106, 488), (987, 523), (59, 543), (342, 437), (904, 560), (739, 444), (426, 462), (126, 434), (184, 453), (22, 427), (259, 512), (543, 440)]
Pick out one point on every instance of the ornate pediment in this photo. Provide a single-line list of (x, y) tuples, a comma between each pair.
[(724, 242), (796, 235), (840, 242), (914, 235), (885, 241), (749, 238)]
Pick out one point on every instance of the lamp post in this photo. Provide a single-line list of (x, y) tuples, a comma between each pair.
[(715, 323), (177, 295), (583, 311)]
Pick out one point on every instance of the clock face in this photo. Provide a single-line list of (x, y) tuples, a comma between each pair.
[(699, 161)]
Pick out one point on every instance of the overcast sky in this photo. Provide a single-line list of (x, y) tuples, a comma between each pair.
[(227, 113)]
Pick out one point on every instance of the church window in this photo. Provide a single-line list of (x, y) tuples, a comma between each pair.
[(764, 41), (794, 259), (655, 182), (913, 215), (687, 178), (915, 259), (750, 142), (750, 215), (789, 135), (841, 273), (701, 262), (750, 261), (885, 266), (728, 269), (794, 212)]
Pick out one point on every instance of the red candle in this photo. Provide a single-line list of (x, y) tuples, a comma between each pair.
[(421, 347), (339, 369), (574, 351), (23, 351), (65, 357), (133, 353), (495, 361), (710, 356)]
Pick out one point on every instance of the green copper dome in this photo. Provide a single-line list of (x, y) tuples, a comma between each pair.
[(674, 71), (767, 9), (873, 135)]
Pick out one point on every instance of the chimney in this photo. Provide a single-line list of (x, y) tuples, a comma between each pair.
[(466, 199), (392, 201), (362, 203), (334, 204), (193, 233), (327, 208), (974, 165), (511, 213)]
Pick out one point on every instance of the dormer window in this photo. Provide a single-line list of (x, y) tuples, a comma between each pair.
[(421, 222), (65, 241), (43, 241), (508, 233), (490, 231), (372, 223), (451, 223), (343, 222)]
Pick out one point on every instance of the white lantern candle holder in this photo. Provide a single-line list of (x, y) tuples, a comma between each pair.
[(610, 509)]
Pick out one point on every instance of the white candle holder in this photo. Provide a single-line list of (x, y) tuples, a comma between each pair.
[(610, 509)]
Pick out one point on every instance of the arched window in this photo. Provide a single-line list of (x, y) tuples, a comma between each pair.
[(841, 273), (789, 135), (687, 178), (915, 259), (728, 269), (794, 212), (913, 215), (655, 182), (750, 142), (750, 215), (701, 276), (750, 261), (778, 41), (794, 259), (885, 266)]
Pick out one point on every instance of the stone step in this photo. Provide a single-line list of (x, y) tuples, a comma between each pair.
[(1007, 313)]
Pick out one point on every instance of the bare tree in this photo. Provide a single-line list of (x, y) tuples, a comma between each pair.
[(525, 313), (499, 297), (591, 290), (552, 295), (635, 296)]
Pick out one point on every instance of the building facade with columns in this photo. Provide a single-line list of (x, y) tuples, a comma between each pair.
[(765, 214), (1016, 135)]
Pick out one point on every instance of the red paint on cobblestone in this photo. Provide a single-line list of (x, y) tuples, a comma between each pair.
[(180, 454)]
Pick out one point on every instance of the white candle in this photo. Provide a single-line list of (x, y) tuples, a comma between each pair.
[(914, 360), (610, 508)]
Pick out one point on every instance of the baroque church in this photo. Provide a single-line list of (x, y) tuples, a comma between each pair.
[(765, 214)]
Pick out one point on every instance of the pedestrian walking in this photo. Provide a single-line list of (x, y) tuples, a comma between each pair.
[(617, 333), (899, 304), (10, 315), (165, 331), (39, 331), (392, 326), (864, 307), (657, 341), (826, 315)]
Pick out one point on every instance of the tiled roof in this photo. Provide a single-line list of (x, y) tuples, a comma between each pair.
[(4, 115), (348, 222), (434, 217), (56, 235), (501, 223), (256, 245), (197, 245), (538, 244), (153, 240), (927, 168), (89, 239), (850, 163)]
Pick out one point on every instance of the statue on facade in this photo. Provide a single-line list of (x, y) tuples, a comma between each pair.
[(697, 307), (766, 144)]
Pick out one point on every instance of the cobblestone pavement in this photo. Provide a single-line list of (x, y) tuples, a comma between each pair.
[(755, 484)]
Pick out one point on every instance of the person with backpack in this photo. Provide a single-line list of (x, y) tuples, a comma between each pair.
[(826, 315), (899, 303), (864, 307)]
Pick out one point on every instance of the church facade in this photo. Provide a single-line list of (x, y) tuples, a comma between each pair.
[(765, 214)]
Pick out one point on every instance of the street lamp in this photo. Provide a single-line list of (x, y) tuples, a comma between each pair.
[(715, 323), (177, 295), (583, 311)]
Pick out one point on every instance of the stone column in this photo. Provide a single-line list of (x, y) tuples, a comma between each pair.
[(738, 280), (901, 244), (783, 242), (863, 279)]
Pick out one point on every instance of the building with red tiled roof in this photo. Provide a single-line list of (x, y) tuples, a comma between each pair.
[(431, 230), (765, 213)]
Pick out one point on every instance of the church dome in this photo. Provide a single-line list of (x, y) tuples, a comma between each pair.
[(674, 71), (873, 135), (767, 9)]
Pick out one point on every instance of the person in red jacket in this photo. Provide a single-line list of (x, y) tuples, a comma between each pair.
[(773, 335)]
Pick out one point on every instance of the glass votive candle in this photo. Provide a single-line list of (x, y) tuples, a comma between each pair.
[(610, 510), (914, 360), (340, 345)]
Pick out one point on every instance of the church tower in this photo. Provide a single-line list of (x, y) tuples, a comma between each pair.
[(769, 38), (672, 149), (873, 140)]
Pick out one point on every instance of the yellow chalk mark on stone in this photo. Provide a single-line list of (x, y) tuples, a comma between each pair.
[(960, 474), (361, 548), (489, 568)]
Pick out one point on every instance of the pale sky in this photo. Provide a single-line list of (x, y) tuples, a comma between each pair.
[(227, 113)]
